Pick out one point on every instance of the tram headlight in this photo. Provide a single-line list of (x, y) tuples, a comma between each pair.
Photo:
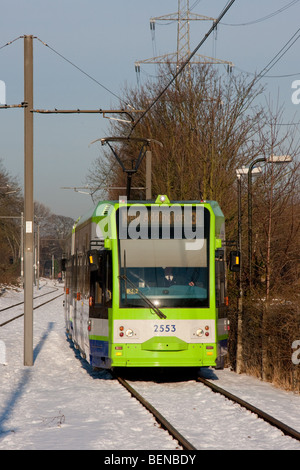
[(129, 333), (199, 332)]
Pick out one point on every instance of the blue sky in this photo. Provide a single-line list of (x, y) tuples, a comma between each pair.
[(105, 38)]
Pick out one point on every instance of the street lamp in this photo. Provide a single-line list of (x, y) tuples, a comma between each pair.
[(277, 159), (239, 173), (239, 353)]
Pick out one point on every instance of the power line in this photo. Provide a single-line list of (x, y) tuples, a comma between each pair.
[(195, 4), (185, 63), (71, 63), (259, 20), (275, 59), (268, 76), (82, 71), (10, 42), (278, 56)]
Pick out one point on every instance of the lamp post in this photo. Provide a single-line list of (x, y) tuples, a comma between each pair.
[(239, 360), (239, 351), (271, 159)]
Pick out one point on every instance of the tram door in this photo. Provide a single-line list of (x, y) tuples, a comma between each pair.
[(100, 286)]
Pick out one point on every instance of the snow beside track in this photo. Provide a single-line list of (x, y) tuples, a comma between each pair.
[(61, 403)]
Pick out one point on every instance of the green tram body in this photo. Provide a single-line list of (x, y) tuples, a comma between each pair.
[(118, 310)]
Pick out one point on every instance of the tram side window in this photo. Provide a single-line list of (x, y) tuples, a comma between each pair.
[(101, 281), (68, 273), (74, 275), (96, 288), (220, 278), (86, 278), (79, 273)]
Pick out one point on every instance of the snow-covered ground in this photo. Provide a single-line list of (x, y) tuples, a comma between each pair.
[(61, 403)]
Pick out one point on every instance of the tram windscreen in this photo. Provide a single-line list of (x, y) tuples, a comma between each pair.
[(162, 261)]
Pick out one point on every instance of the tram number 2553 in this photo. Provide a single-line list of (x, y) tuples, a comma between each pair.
[(164, 328)]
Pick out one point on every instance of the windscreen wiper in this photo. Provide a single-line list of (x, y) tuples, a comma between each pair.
[(158, 312)]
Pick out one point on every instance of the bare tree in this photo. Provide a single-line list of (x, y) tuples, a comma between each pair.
[(207, 126), (10, 226), (54, 229), (276, 237)]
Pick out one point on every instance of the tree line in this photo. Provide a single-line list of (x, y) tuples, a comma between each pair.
[(50, 232)]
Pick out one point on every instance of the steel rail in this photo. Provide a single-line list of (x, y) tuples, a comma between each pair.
[(20, 303), (165, 424), (287, 430), (34, 308)]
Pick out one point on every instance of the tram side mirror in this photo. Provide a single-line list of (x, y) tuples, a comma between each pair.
[(63, 264), (234, 262), (93, 260)]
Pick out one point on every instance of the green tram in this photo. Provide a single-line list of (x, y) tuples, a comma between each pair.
[(145, 284)]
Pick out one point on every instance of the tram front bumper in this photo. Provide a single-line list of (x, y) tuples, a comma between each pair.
[(163, 352)]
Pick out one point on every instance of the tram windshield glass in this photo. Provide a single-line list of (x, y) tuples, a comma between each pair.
[(165, 262)]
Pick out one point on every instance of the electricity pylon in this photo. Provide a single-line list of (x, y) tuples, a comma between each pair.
[(183, 17)]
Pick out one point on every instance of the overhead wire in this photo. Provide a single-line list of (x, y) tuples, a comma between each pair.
[(195, 4), (262, 73), (259, 20), (83, 72), (275, 59), (268, 76), (278, 56), (10, 42), (73, 64)]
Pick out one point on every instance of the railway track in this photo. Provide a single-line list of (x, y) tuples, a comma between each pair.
[(20, 303), (183, 442), (287, 430), (164, 423), (34, 308)]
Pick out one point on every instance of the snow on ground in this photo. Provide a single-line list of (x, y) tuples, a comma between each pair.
[(61, 403)]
